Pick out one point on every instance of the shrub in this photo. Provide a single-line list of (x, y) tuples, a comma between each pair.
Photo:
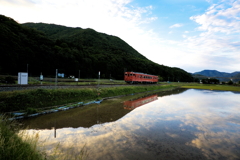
[(10, 80), (31, 110), (230, 83)]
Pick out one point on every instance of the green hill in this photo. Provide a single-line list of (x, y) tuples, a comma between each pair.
[(47, 47)]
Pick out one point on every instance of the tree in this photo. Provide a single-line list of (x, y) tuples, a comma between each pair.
[(210, 81), (230, 82), (160, 78)]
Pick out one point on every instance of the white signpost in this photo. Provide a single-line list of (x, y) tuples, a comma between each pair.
[(22, 78)]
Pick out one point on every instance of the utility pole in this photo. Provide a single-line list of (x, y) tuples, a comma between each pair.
[(78, 76), (56, 77), (98, 78)]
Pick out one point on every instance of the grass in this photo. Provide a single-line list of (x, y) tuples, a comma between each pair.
[(28, 100), (18, 144), (66, 81), (13, 146), (212, 87)]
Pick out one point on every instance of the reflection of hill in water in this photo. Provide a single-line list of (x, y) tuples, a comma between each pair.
[(87, 116)]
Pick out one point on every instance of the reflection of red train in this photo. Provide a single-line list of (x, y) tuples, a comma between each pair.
[(130, 105), (136, 77)]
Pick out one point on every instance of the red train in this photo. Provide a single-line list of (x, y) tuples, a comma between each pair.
[(130, 105), (136, 77)]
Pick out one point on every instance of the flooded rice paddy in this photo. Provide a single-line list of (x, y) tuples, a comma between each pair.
[(182, 124)]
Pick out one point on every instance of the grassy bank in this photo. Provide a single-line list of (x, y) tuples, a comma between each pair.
[(212, 87), (13, 146), (39, 98)]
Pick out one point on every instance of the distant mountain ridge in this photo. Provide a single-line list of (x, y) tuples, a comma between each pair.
[(215, 73), (222, 76)]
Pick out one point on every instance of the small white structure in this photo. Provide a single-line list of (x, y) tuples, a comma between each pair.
[(22, 78), (41, 77), (61, 75)]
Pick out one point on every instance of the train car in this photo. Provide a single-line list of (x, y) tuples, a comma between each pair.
[(137, 77), (130, 105)]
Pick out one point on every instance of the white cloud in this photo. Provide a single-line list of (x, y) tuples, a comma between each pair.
[(115, 17), (220, 18), (219, 30), (176, 25)]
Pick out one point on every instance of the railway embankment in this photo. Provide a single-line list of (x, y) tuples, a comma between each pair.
[(4, 88), (31, 101)]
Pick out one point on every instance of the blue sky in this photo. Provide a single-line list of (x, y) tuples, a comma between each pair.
[(190, 34)]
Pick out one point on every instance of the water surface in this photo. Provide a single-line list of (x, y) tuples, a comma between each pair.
[(185, 124)]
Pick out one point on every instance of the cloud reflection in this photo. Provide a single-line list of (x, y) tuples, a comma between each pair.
[(214, 116), (196, 124)]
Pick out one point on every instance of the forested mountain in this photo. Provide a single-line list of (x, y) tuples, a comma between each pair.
[(47, 47), (222, 76), (214, 73)]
